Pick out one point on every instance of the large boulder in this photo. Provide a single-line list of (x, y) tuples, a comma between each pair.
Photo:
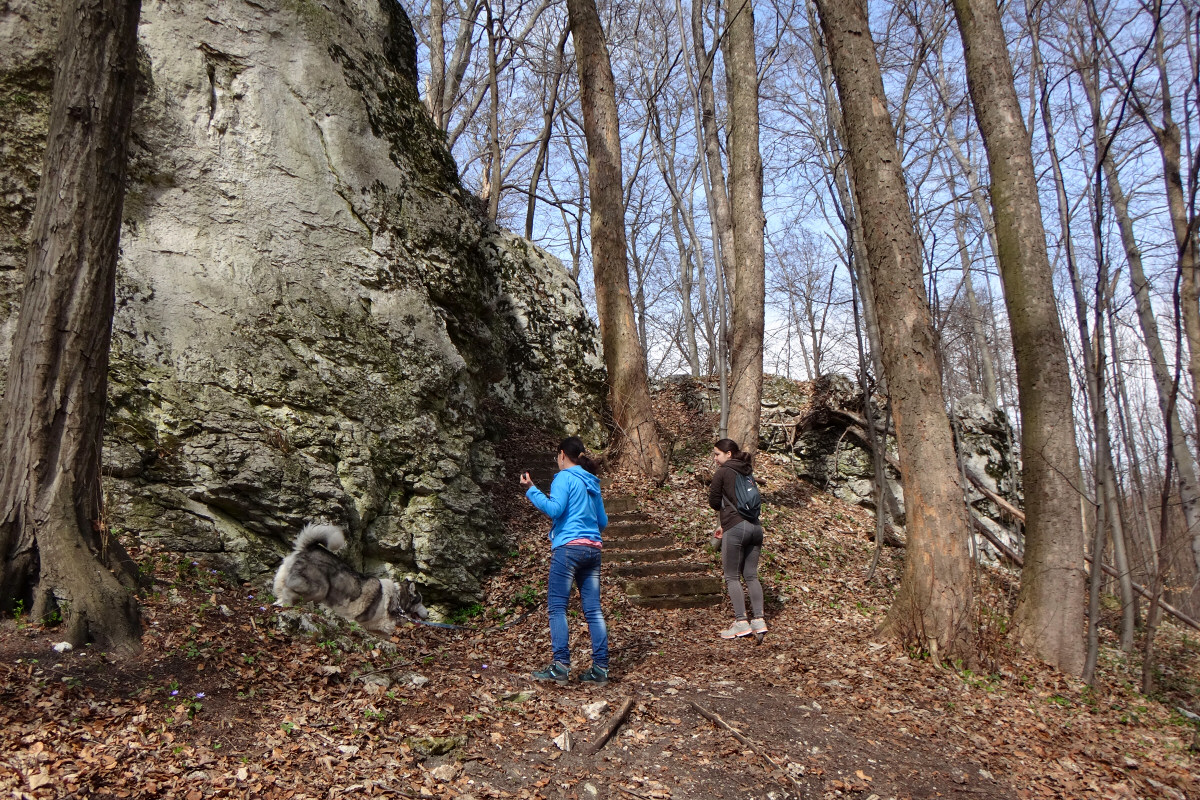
[(314, 320)]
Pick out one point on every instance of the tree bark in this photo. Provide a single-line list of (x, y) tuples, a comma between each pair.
[(1094, 360), (55, 549), (1049, 614), (933, 606), (629, 390), (748, 288)]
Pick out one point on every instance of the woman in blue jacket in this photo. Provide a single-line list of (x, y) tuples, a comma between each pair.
[(577, 510)]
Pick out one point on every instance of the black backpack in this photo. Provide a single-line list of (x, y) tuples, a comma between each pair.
[(749, 501)]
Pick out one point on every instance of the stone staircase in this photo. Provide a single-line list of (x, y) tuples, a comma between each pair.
[(650, 564), (652, 567)]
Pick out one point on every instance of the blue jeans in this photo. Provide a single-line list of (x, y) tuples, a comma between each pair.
[(576, 564)]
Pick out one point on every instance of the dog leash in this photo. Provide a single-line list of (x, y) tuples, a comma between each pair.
[(449, 626)]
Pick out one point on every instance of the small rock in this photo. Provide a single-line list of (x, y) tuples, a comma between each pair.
[(590, 790), (418, 680), (377, 682), (595, 710), (445, 772), (564, 741), (63, 647), (348, 749)]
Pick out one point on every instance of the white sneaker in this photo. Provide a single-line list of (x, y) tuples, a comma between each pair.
[(738, 629)]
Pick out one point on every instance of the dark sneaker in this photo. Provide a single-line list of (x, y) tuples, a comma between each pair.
[(556, 672), (596, 675)]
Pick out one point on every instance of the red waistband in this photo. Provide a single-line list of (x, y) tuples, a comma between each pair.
[(587, 543)]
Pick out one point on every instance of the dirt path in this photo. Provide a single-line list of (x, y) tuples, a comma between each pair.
[(233, 698)]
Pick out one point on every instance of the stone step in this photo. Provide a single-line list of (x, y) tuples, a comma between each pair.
[(647, 543), (626, 530), (662, 587), (625, 516), (623, 504), (643, 556), (660, 568), (679, 601)]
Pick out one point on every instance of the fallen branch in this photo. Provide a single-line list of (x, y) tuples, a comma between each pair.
[(1004, 549), (610, 727), (714, 718), (1006, 506)]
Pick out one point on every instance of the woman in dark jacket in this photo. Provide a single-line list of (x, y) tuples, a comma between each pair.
[(741, 540)]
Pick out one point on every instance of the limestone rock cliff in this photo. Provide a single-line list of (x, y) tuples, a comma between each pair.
[(313, 318)]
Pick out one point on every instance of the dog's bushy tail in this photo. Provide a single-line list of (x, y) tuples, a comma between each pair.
[(330, 536)]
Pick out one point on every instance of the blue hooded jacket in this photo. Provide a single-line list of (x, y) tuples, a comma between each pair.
[(574, 504)]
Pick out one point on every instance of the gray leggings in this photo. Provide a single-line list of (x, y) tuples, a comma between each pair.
[(741, 546)]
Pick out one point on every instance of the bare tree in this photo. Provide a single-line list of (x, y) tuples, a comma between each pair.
[(747, 282), (932, 607), (629, 390), (1180, 198), (54, 545), (1049, 614)]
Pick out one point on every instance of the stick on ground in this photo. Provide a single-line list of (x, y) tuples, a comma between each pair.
[(610, 727), (715, 718)]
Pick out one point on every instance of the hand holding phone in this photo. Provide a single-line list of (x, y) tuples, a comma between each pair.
[(526, 481)]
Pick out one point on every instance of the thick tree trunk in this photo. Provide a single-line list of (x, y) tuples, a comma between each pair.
[(1050, 608), (628, 385), (1095, 370), (932, 609), (54, 547), (748, 289)]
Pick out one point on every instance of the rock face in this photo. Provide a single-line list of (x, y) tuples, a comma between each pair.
[(314, 321), (821, 426)]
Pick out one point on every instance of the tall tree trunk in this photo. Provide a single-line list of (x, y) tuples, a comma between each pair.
[(933, 606), (629, 390), (54, 547), (1050, 607), (492, 179), (436, 86), (706, 312), (748, 288), (1094, 360), (717, 196)]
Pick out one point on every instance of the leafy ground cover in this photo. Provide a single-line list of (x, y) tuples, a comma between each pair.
[(235, 698)]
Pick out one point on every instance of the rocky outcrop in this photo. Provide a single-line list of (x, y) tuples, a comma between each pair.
[(313, 318), (822, 428)]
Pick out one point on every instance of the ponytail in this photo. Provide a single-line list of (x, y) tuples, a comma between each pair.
[(572, 447)]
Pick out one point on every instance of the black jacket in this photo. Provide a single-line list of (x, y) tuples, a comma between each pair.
[(721, 494)]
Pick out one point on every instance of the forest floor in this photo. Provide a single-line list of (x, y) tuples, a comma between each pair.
[(230, 698)]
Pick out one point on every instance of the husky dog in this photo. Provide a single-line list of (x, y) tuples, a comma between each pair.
[(311, 572)]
